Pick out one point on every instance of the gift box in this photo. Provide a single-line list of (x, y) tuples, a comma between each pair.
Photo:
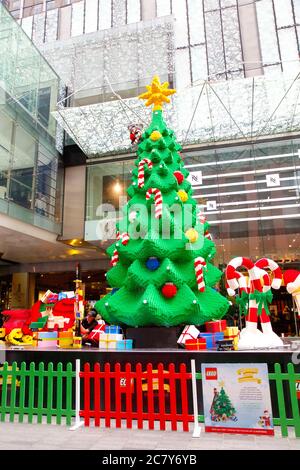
[(47, 339), (232, 333), (215, 326), (195, 344), (189, 332), (107, 343), (65, 339), (46, 295), (52, 298), (77, 342), (211, 339), (47, 343), (125, 344), (66, 295), (114, 329), (95, 334), (42, 335)]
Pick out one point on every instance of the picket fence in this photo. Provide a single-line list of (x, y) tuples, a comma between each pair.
[(106, 395)]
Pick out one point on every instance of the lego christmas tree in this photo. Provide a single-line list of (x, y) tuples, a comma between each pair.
[(221, 408), (162, 272)]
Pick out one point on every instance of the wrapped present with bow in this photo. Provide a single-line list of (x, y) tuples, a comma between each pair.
[(189, 332), (109, 340), (215, 326), (66, 295), (113, 329), (232, 333), (125, 344), (195, 344), (212, 338), (96, 333), (49, 294)]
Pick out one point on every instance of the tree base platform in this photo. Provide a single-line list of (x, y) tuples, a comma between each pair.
[(154, 336)]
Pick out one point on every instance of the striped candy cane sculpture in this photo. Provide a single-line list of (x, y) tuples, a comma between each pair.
[(251, 337), (199, 264), (124, 237), (157, 200), (141, 172), (115, 258), (263, 264)]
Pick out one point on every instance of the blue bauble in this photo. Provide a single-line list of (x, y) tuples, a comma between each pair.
[(114, 290), (152, 263)]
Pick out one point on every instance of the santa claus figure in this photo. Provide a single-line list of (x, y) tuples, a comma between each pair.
[(292, 281), (135, 133)]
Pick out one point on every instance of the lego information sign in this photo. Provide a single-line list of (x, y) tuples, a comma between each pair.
[(237, 398)]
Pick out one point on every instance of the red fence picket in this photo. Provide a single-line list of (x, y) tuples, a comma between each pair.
[(132, 394)]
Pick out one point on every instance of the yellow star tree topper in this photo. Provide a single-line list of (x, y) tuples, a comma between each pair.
[(157, 93)]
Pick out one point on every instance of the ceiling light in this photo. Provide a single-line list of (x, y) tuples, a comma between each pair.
[(117, 187)]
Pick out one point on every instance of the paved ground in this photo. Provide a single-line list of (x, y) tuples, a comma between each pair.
[(43, 436)]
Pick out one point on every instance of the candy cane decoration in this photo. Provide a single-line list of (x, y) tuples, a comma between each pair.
[(207, 235), (255, 272), (238, 282), (124, 237), (266, 263), (157, 200), (115, 258), (199, 264), (141, 174), (232, 275)]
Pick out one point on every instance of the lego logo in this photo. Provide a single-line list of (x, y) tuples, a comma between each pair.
[(211, 373)]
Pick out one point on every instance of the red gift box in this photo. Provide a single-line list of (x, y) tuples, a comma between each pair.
[(195, 344), (95, 334), (216, 326)]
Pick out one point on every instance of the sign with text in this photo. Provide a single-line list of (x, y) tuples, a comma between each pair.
[(195, 177), (273, 180), (237, 399)]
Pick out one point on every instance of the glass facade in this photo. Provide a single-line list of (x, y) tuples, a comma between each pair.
[(249, 194), (30, 169)]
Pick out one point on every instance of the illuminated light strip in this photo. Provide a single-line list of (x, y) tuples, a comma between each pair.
[(248, 159), (265, 190), (256, 201), (251, 219), (248, 209), (239, 183), (252, 172)]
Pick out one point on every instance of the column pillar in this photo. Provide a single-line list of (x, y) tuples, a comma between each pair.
[(250, 38)]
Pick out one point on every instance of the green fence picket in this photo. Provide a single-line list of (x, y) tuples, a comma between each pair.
[(31, 391), (69, 378), (4, 374), (22, 392), (49, 392), (40, 404), (59, 382), (12, 404), (28, 388), (292, 377), (278, 377)]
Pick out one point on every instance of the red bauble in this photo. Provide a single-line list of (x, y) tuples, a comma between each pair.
[(179, 176), (169, 290)]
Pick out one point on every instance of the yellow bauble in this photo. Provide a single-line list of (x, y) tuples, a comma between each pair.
[(192, 235), (183, 195), (155, 135)]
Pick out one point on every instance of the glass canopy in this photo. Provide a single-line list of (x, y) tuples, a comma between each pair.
[(243, 109)]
